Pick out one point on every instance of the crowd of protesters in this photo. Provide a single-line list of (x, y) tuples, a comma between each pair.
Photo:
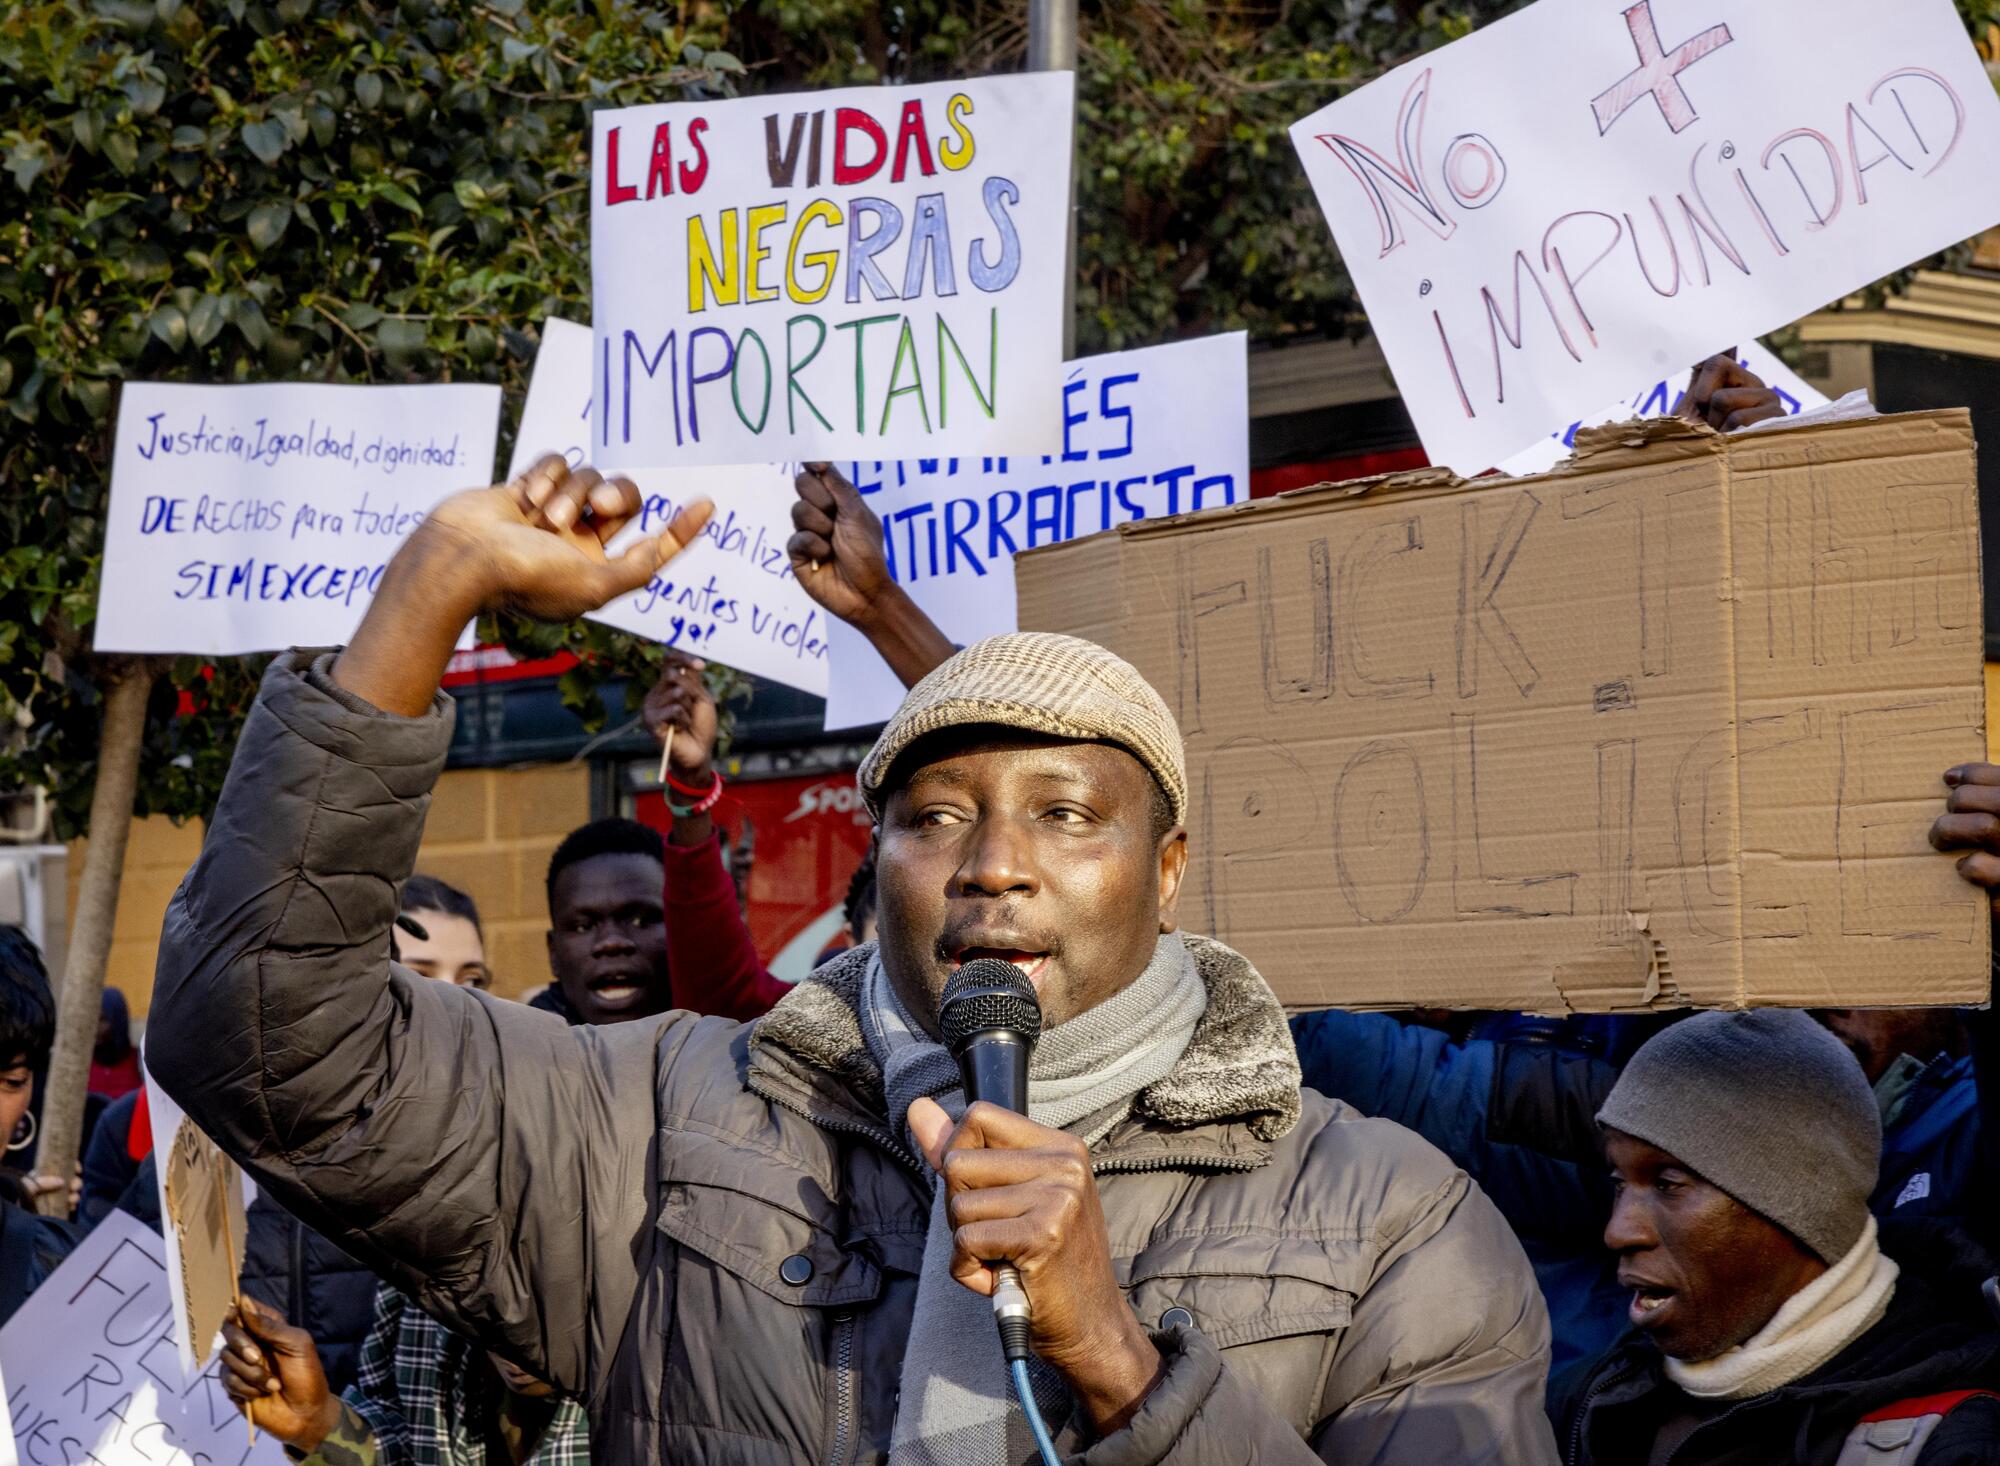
[(761, 1234)]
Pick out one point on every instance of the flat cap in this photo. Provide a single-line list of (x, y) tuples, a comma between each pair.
[(1040, 682)]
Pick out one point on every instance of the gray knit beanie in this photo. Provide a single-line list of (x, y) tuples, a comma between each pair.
[(1768, 1106)]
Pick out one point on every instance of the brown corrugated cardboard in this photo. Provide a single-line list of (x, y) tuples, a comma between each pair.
[(1664, 726)]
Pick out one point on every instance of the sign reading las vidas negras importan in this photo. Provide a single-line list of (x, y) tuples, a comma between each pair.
[(1590, 193), (873, 272)]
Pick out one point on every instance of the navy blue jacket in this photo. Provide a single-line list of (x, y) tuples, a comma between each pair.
[(1521, 1120), (1420, 1079)]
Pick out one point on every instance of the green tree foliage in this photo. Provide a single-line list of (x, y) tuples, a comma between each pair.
[(315, 190), (397, 190)]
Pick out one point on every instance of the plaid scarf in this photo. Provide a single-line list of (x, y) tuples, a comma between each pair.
[(426, 1397)]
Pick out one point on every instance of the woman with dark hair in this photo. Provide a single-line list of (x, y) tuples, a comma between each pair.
[(438, 935), (31, 1246)]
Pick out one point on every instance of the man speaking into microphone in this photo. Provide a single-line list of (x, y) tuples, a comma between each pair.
[(774, 1243)]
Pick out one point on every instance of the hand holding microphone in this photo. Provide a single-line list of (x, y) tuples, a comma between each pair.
[(1021, 1194)]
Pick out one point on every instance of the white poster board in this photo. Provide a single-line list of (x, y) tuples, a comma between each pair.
[(1662, 399), (253, 518), (1157, 431), (203, 1200), (1588, 192), (874, 271), (732, 596), (91, 1373)]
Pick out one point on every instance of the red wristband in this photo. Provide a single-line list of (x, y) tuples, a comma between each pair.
[(704, 802)]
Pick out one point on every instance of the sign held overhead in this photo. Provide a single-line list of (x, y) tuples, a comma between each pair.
[(869, 272), (731, 595), (1161, 430), (253, 518), (1576, 195), (1664, 727)]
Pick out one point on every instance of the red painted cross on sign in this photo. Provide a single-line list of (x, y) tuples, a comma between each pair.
[(1659, 72)]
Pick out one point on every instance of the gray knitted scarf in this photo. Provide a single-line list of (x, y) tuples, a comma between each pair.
[(956, 1406)]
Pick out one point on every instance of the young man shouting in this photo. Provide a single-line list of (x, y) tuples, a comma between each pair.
[(768, 1243)]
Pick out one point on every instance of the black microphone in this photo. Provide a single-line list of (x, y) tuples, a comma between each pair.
[(990, 1018)]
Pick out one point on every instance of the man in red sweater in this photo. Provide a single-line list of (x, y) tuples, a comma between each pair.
[(712, 964)]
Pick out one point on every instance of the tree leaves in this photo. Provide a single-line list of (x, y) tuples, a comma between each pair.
[(268, 139), (268, 222)]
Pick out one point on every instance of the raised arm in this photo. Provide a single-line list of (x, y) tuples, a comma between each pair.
[(711, 961), (486, 1157), (837, 553)]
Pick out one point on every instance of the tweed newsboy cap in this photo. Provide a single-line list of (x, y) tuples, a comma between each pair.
[(1768, 1106), (1041, 682)]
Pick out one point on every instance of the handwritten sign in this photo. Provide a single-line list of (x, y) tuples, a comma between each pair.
[(876, 270), (1663, 399), (252, 518), (1664, 728), (90, 1367), (733, 596), (202, 1205), (1583, 193), (1159, 431)]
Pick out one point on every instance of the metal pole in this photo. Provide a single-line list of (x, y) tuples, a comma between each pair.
[(1052, 47)]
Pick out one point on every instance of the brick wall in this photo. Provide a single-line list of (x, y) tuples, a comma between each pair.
[(490, 833)]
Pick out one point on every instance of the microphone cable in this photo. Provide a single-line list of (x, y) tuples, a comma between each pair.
[(1010, 1311), (1025, 1393)]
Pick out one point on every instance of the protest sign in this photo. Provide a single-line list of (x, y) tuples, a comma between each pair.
[(1583, 193), (1161, 430), (1665, 727), (248, 519), (871, 271), (90, 1368), (732, 596), (202, 1207), (1662, 399)]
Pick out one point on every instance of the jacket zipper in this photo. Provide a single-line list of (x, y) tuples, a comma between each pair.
[(1575, 1456), (843, 1389), (875, 1133), (298, 1279)]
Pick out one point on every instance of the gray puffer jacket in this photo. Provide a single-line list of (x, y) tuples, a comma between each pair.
[(614, 1207)]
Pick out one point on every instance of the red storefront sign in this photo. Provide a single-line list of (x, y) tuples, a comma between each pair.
[(803, 838)]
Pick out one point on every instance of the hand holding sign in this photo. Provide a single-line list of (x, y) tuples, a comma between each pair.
[(837, 551), (841, 559), (1727, 395), (272, 1370), (681, 707)]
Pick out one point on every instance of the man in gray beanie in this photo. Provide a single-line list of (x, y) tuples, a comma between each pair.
[(773, 1242), (1768, 1325)]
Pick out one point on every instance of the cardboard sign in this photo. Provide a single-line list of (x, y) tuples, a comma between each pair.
[(202, 1204), (1664, 727), (248, 519), (733, 596), (90, 1369), (1663, 399), (1585, 193), (1163, 430), (874, 272)]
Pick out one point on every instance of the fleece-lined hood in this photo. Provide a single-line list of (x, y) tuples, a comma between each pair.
[(1239, 1070)]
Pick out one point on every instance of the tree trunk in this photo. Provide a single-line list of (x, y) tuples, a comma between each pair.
[(127, 685)]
